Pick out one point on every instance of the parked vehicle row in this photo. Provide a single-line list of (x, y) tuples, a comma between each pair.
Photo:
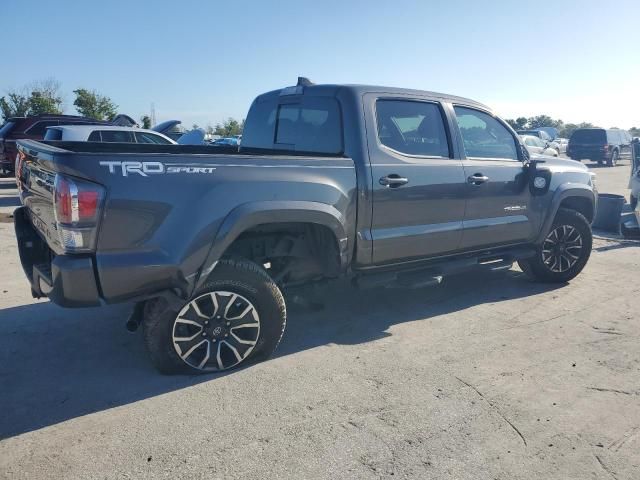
[(105, 133), (387, 186), (33, 128)]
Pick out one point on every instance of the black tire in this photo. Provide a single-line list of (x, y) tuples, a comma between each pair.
[(612, 161), (537, 269), (236, 279)]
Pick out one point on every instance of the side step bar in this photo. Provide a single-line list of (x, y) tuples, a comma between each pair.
[(432, 274)]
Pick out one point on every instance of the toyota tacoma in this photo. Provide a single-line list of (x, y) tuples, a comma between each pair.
[(387, 186)]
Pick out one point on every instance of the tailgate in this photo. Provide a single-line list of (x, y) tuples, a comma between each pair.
[(35, 185)]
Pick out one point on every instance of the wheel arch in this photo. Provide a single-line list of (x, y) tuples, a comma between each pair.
[(249, 216), (572, 196)]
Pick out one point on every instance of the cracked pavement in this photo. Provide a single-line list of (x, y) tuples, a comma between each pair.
[(487, 376)]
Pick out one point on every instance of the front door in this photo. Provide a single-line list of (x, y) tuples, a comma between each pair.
[(498, 198), (418, 187)]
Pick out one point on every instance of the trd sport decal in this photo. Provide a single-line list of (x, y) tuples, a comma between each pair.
[(155, 168)]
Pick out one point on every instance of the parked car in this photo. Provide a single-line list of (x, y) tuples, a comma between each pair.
[(387, 186), (562, 143), (542, 135), (537, 146), (228, 141), (105, 133), (32, 128), (599, 145)]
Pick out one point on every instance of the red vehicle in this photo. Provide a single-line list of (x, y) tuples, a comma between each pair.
[(33, 128)]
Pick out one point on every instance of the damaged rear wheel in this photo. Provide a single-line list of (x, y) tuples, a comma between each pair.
[(237, 317)]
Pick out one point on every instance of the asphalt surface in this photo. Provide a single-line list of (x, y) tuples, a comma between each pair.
[(487, 376)]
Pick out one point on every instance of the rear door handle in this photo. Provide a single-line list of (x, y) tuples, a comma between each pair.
[(477, 179), (393, 180)]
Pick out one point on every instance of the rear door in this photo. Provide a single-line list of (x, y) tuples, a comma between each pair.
[(498, 198), (418, 186)]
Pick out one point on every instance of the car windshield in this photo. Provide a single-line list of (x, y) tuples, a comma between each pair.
[(589, 136), (6, 128)]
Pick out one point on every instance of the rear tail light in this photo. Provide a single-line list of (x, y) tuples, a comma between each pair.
[(77, 206)]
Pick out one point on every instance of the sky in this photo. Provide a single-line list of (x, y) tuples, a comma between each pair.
[(204, 61)]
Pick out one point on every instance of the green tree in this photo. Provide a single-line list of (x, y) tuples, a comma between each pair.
[(544, 121), (229, 127), (146, 121), (93, 105), (569, 128), (14, 105), (519, 123), (32, 99), (634, 132)]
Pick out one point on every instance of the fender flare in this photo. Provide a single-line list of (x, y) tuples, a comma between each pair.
[(564, 191), (251, 214)]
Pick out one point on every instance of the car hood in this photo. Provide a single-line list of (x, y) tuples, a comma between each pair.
[(564, 164)]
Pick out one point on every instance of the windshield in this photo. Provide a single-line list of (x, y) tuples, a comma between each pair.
[(589, 135), (6, 128)]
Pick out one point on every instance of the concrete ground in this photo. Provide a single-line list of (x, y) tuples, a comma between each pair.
[(488, 376)]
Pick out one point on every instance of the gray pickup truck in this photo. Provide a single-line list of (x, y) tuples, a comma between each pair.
[(387, 186)]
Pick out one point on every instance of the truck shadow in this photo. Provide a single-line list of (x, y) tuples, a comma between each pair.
[(58, 364)]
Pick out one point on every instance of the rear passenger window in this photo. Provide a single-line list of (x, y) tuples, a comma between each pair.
[(53, 134), (484, 136), (39, 128), (413, 128), (117, 136), (94, 137), (313, 126)]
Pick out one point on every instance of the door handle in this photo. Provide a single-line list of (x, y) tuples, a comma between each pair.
[(477, 179), (393, 180)]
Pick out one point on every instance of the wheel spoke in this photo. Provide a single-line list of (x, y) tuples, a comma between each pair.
[(195, 345), (240, 340), (206, 357)]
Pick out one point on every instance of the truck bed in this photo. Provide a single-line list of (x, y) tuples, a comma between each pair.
[(167, 205)]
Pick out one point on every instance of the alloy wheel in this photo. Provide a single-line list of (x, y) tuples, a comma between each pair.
[(216, 331), (562, 248)]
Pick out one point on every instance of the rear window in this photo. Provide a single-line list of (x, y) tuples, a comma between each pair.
[(39, 128), (117, 136), (53, 134), (313, 124), (146, 137), (589, 136), (6, 128)]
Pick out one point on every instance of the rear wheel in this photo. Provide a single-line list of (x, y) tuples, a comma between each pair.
[(564, 251), (237, 317)]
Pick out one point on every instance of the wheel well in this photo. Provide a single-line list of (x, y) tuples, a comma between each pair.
[(292, 252), (579, 204)]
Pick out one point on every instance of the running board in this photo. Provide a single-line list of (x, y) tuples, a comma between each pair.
[(433, 273)]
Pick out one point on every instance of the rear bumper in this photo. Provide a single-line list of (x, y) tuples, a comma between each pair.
[(68, 281)]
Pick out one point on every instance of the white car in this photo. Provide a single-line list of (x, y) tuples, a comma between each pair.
[(538, 146), (106, 133), (562, 144)]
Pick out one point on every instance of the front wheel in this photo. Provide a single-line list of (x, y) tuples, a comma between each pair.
[(564, 251), (238, 316)]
